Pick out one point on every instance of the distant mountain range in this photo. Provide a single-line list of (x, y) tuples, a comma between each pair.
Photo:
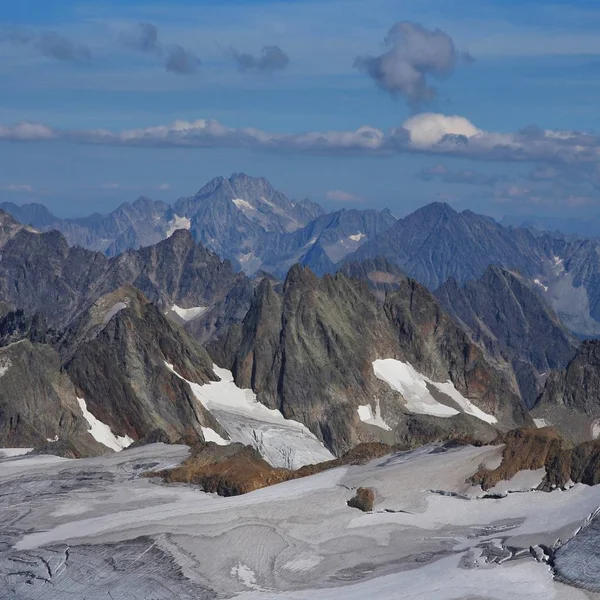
[(245, 220)]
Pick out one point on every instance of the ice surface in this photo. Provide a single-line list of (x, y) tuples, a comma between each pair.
[(365, 414), (538, 282), (187, 314), (85, 528), (415, 388), (282, 442), (12, 452), (101, 432), (178, 223)]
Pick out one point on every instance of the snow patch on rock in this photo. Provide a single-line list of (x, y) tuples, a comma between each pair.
[(243, 204), (366, 415), (119, 306), (210, 435), (415, 388), (282, 442), (359, 236), (5, 365), (187, 314), (178, 223), (101, 431), (539, 423)]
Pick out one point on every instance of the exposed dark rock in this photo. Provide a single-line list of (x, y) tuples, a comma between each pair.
[(38, 403), (571, 399), (116, 354), (309, 353), (363, 500), (524, 449), (504, 314)]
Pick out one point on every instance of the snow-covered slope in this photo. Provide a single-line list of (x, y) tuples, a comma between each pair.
[(430, 536), (101, 432), (282, 442), (418, 391)]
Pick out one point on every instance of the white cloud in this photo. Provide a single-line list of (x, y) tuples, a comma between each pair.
[(341, 196), (16, 187), (427, 133), (428, 129)]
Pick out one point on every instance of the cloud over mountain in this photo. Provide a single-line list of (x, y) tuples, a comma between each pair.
[(427, 133), (413, 55)]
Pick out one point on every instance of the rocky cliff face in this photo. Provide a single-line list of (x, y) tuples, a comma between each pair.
[(435, 243), (503, 313), (129, 226), (570, 401), (38, 403), (110, 362), (115, 356), (310, 353)]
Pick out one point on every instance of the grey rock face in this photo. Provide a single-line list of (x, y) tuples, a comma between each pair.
[(510, 320), (324, 242), (41, 273), (571, 399), (435, 243), (129, 226), (38, 403), (309, 353), (115, 355)]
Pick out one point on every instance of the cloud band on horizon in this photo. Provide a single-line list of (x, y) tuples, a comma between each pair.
[(426, 133)]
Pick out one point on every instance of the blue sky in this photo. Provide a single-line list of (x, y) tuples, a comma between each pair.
[(535, 64)]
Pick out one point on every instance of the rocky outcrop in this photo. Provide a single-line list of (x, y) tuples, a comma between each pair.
[(504, 314), (38, 403), (237, 469), (225, 470), (571, 399), (524, 449), (363, 500), (115, 356), (531, 449), (309, 353)]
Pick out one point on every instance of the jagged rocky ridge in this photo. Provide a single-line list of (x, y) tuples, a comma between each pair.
[(309, 352), (243, 219), (436, 243), (42, 273), (113, 360)]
